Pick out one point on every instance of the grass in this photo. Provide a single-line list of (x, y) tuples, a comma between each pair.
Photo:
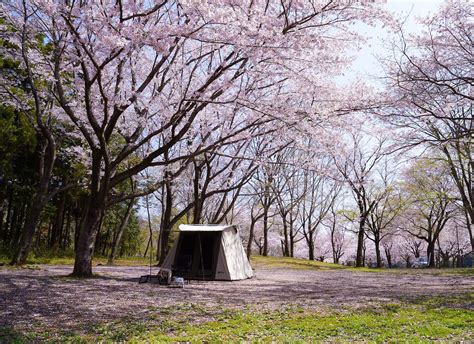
[(69, 260), (256, 261), (304, 264), (389, 323), (293, 263), (422, 320)]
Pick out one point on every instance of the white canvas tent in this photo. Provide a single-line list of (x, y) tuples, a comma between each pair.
[(208, 252)]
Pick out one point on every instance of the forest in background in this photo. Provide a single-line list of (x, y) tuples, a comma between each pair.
[(119, 122)]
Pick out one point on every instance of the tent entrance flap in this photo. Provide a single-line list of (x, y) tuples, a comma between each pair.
[(197, 254)]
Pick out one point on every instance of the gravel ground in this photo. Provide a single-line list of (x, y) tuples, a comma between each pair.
[(46, 298)]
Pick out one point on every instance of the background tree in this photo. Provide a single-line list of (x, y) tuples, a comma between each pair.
[(431, 203)]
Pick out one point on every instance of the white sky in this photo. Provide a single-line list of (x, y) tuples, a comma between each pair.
[(366, 66)]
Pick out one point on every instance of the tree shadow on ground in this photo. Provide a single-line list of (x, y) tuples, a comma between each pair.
[(48, 297)]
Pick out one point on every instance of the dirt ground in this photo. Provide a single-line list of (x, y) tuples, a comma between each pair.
[(46, 297)]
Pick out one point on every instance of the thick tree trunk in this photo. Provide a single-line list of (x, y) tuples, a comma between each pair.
[(87, 235)]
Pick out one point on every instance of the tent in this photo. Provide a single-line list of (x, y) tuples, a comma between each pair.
[(208, 252)]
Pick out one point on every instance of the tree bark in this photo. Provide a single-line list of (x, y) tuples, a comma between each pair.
[(377, 253), (388, 255), (360, 243), (165, 230), (3, 196), (87, 235), (310, 246), (286, 248), (29, 229), (7, 229), (58, 222), (430, 254), (251, 236), (265, 232)]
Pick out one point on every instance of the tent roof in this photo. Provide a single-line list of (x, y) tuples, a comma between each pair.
[(205, 228)]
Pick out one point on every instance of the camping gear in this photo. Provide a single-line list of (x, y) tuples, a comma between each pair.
[(208, 252), (163, 277), (176, 282), (149, 278)]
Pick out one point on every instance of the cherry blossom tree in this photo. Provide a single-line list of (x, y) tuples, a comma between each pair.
[(430, 84), (142, 81), (28, 91), (431, 203), (356, 163), (337, 230), (388, 206)]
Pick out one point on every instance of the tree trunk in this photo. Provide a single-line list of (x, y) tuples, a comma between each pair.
[(469, 226), (286, 248), (360, 243), (377, 253), (265, 232), (28, 232), (58, 222), (292, 237), (335, 255), (87, 235), (388, 255), (3, 196), (67, 230), (251, 236), (7, 228), (430, 254), (197, 210), (310, 246), (46, 162), (165, 230)]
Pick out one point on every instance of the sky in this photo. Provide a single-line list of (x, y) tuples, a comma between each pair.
[(366, 65)]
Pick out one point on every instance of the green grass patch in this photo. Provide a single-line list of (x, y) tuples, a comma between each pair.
[(304, 264), (401, 324), (69, 260), (293, 263), (425, 319)]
